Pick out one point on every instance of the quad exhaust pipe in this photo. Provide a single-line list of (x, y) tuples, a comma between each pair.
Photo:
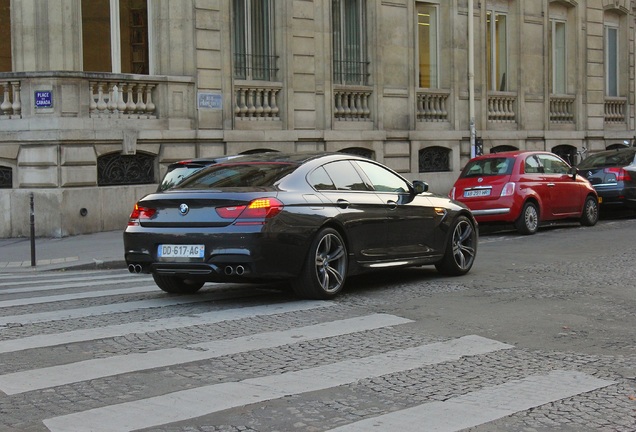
[(239, 270)]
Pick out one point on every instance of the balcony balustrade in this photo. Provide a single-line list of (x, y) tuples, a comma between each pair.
[(615, 110), (11, 105), (432, 105), (502, 107), (117, 98), (562, 108), (257, 101), (352, 104)]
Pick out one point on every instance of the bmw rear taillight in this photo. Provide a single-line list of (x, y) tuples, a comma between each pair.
[(508, 189), (140, 213), (256, 212), (620, 173)]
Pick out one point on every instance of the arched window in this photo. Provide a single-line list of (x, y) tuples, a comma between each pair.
[(566, 152), (259, 150), (359, 151), (115, 36), (434, 159), (6, 178), (117, 169), (503, 148), (616, 146)]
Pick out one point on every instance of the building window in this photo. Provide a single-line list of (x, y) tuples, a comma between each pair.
[(5, 36), (566, 152), (497, 51), (434, 159), (117, 169), (428, 47), (115, 36), (254, 54), (611, 61), (6, 178), (350, 64), (503, 148), (558, 55)]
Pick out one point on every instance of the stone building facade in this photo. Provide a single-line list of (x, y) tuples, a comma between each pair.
[(97, 97)]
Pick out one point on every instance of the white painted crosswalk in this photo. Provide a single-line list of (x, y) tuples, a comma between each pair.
[(342, 367)]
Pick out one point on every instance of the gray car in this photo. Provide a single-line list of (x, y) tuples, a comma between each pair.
[(613, 175)]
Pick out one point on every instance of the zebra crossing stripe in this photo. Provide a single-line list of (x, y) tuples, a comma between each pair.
[(76, 296), (191, 403), (20, 382), (54, 284), (47, 340), (105, 309), (483, 406)]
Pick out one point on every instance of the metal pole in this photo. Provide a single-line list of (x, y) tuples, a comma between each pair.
[(471, 77), (32, 222)]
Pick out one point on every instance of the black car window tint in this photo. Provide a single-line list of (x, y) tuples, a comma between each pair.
[(238, 175), (320, 180), (532, 165), (382, 179), (345, 176)]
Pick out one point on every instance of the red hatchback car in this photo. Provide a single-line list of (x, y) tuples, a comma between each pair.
[(526, 188)]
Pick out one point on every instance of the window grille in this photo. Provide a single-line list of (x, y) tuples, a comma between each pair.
[(254, 53), (117, 169), (350, 64), (503, 148), (434, 159), (6, 178)]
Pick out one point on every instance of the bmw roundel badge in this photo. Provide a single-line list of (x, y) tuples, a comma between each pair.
[(184, 209)]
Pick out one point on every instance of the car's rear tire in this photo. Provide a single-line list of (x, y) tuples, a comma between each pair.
[(461, 248), (175, 285), (528, 222), (590, 214), (325, 269)]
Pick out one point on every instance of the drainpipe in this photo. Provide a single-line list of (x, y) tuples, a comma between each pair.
[(471, 77)]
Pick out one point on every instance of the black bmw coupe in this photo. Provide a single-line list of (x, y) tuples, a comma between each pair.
[(311, 219)]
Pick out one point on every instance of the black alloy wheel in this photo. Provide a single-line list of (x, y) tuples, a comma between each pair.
[(325, 269), (461, 249)]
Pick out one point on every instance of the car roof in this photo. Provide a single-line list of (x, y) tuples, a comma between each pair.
[(614, 151)]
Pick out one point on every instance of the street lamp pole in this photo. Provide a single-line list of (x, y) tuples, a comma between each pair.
[(471, 77)]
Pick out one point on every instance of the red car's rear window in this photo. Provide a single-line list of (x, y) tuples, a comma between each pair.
[(488, 167)]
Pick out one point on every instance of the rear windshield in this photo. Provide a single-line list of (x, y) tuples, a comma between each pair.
[(619, 159), (176, 176), (238, 175), (488, 167)]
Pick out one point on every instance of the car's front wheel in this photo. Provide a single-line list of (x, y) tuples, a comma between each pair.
[(590, 212), (461, 248), (175, 285), (528, 222), (325, 269)]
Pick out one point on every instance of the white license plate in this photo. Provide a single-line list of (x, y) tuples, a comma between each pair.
[(476, 193), (181, 251)]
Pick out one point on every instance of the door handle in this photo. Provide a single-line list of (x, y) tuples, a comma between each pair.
[(392, 204), (342, 203), (551, 184)]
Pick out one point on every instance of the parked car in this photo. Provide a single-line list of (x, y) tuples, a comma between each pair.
[(612, 173), (526, 188), (311, 219)]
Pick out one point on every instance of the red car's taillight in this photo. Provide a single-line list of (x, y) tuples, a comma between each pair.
[(620, 173), (259, 209), (139, 213), (508, 189)]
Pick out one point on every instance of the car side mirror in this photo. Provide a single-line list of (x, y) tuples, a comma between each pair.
[(573, 172), (420, 186)]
